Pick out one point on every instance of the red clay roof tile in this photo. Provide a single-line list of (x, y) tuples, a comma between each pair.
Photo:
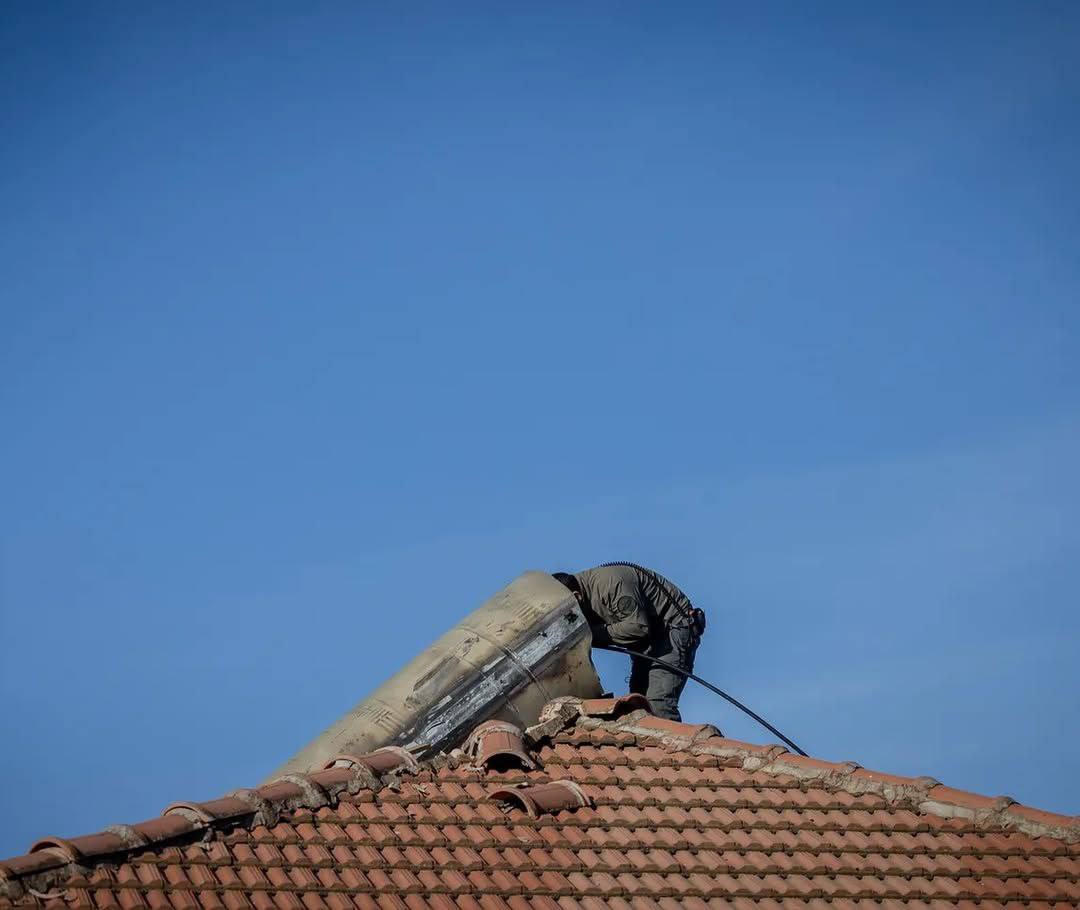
[(615, 707)]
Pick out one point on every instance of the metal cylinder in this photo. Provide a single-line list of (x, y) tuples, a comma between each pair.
[(525, 646)]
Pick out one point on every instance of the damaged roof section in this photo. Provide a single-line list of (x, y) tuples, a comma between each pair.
[(620, 808)]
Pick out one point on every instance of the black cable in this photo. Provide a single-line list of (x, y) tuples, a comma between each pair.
[(708, 685)]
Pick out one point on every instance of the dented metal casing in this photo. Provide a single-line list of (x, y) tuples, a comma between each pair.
[(528, 644)]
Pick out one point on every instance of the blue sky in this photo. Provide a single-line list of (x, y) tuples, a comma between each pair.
[(322, 322)]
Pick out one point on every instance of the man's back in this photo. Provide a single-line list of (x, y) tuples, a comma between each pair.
[(663, 599)]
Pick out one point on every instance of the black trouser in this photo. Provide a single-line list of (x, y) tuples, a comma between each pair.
[(677, 644)]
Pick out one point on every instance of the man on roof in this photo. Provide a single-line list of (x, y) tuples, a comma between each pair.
[(637, 608)]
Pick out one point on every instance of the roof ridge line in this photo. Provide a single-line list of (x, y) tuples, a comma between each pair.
[(51, 860), (923, 794)]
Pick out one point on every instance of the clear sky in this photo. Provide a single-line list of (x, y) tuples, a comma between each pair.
[(321, 322)]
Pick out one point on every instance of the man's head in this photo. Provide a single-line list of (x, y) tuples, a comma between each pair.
[(569, 581)]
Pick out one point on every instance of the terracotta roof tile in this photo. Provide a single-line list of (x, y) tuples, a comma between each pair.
[(614, 707), (679, 817)]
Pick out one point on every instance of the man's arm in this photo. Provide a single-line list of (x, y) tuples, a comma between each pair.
[(630, 624)]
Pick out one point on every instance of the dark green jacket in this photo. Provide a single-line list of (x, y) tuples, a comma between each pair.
[(626, 606)]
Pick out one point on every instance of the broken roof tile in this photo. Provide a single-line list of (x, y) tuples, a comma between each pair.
[(539, 799), (496, 745)]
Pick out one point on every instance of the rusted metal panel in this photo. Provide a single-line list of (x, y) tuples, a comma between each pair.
[(528, 644)]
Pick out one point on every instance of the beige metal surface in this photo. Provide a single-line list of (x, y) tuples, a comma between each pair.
[(526, 645)]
